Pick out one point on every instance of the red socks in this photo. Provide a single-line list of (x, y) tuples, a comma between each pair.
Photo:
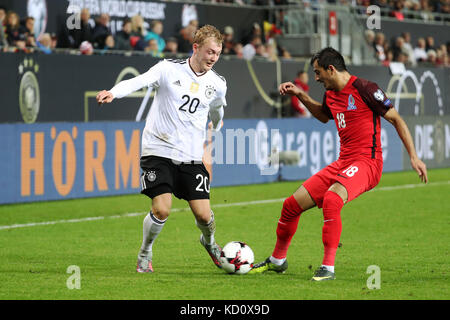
[(331, 231), (332, 227), (287, 225)]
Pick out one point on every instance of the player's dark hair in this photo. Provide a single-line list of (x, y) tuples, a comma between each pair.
[(329, 57)]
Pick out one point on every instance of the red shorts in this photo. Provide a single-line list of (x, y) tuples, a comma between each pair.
[(356, 175)]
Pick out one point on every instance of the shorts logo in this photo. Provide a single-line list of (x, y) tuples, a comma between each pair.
[(351, 103), (151, 176), (379, 95)]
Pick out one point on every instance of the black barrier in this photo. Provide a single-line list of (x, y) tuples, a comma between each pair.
[(48, 88)]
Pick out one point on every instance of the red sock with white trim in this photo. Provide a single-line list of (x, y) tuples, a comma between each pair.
[(332, 226), (287, 226)]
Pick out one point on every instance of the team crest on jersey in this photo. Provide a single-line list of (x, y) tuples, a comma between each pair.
[(151, 176), (194, 87), (379, 95), (351, 103), (209, 92)]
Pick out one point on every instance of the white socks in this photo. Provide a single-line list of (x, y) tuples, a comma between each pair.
[(329, 268), (152, 226), (208, 229), (276, 261)]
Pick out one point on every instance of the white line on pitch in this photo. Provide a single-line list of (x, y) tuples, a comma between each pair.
[(222, 205)]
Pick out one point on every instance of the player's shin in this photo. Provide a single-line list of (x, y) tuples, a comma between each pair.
[(332, 227), (286, 228), (152, 226)]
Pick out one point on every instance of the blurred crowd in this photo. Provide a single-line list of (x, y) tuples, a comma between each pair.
[(406, 9), (18, 35), (425, 52), (95, 36)]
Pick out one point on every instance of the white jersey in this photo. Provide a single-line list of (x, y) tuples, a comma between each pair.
[(176, 125)]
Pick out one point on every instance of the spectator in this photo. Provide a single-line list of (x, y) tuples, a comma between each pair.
[(3, 41), (415, 11), (44, 43), (153, 49), (397, 11), (430, 43), (228, 41), (155, 33), (109, 44), (298, 107), (420, 54), (13, 31), (255, 32), (431, 61), (426, 10), (28, 31), (84, 33), (440, 56), (2, 13), (271, 52), (186, 37), (137, 27), (370, 37), (249, 50), (407, 47), (101, 31), (171, 46), (397, 48), (379, 46), (389, 58), (238, 50), (122, 38)]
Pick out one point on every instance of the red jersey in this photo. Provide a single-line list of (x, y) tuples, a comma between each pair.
[(356, 110)]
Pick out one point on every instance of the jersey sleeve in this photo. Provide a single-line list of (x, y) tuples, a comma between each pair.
[(220, 99), (151, 78), (374, 97), (325, 108)]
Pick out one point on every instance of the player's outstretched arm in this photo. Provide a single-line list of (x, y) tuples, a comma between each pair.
[(403, 132), (313, 106), (104, 97)]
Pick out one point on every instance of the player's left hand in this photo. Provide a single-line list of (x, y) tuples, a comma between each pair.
[(420, 168)]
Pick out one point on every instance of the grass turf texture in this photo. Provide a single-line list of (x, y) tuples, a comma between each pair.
[(402, 230)]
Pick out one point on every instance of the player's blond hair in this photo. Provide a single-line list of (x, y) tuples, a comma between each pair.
[(205, 32)]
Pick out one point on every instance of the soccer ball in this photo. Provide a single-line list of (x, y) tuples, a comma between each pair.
[(237, 257)]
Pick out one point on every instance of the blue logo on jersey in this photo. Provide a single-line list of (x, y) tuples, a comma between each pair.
[(351, 103), (387, 102)]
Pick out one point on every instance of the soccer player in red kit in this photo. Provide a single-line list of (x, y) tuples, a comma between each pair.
[(356, 106)]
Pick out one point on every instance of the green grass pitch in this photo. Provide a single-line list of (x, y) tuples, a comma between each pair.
[(402, 227)]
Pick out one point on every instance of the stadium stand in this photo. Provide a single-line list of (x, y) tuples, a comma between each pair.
[(291, 29)]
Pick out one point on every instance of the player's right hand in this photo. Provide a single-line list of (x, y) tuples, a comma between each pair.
[(104, 97), (288, 88)]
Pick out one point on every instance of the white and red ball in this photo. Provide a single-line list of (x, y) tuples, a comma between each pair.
[(237, 257)]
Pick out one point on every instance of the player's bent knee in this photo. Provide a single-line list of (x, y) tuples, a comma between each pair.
[(340, 190), (304, 199), (160, 212)]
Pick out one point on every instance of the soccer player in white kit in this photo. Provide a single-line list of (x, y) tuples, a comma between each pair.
[(187, 91)]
